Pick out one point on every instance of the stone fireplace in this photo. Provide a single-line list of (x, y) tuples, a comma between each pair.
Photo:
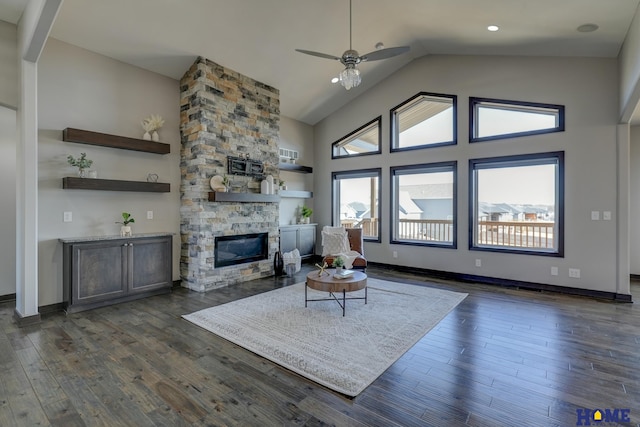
[(222, 114)]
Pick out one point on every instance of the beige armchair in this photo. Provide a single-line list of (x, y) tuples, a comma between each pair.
[(356, 244)]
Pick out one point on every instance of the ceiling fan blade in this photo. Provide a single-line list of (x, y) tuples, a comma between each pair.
[(384, 53), (321, 55)]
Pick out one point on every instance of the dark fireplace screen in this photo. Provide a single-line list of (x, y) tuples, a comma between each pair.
[(240, 249)]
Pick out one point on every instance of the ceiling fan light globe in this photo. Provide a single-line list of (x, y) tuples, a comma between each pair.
[(350, 77)]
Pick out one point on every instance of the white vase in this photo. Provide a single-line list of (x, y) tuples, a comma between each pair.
[(146, 136), (82, 173), (270, 186), (155, 137), (125, 231)]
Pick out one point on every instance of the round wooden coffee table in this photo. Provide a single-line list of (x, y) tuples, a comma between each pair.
[(327, 283)]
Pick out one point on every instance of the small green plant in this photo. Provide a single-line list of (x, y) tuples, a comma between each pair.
[(81, 162), (306, 212), (126, 219), (338, 262), (225, 180)]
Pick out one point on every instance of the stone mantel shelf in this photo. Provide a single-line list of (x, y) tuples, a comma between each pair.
[(215, 196), (112, 237)]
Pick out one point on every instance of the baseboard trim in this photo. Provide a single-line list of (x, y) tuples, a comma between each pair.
[(472, 278), (8, 297), (23, 321)]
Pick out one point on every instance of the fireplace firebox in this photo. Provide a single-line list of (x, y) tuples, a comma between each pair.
[(240, 249)]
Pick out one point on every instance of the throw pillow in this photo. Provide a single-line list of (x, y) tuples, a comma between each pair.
[(334, 243)]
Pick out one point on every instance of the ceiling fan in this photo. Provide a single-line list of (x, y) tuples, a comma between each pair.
[(350, 76)]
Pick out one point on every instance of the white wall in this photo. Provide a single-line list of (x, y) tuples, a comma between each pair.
[(634, 225), (82, 89), (297, 136), (589, 90), (8, 140), (8, 64)]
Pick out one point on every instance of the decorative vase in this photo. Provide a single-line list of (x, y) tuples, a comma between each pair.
[(146, 136), (278, 263), (305, 220), (155, 137), (125, 231), (264, 187), (270, 187), (338, 270), (82, 173)]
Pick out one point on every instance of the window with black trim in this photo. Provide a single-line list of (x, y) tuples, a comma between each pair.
[(424, 120), (424, 204), (362, 141), (491, 119), (517, 204), (356, 201)]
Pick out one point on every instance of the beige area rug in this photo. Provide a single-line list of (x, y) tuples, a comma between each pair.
[(345, 354)]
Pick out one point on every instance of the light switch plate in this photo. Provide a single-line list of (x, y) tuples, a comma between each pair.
[(67, 217), (606, 215), (595, 215)]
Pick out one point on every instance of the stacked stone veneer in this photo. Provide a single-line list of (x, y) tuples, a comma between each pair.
[(224, 113)]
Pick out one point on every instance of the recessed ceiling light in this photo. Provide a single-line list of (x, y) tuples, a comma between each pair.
[(335, 80), (587, 28), (493, 28)]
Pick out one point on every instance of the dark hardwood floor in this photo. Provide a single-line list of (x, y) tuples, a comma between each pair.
[(503, 357)]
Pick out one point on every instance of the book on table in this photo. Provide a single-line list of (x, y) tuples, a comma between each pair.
[(343, 274)]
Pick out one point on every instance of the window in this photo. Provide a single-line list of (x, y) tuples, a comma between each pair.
[(365, 140), (424, 204), (492, 119), (425, 120), (517, 204), (356, 196)]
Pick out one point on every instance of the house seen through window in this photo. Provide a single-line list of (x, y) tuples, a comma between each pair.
[(356, 196), (424, 204)]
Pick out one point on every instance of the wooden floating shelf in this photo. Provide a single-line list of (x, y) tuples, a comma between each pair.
[(291, 167), (296, 194), (243, 197), (75, 183), (105, 140)]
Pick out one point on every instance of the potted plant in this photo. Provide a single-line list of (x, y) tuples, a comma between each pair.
[(305, 214), (81, 163), (125, 230), (282, 185), (338, 263)]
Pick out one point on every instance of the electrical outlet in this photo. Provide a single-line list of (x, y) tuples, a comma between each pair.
[(67, 217), (149, 214), (478, 262), (554, 271), (395, 254), (574, 272), (606, 215)]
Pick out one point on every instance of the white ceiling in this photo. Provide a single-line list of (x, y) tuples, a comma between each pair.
[(257, 37)]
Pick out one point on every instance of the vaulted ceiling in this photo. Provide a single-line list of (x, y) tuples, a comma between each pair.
[(258, 38)]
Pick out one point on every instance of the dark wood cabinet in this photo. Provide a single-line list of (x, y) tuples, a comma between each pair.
[(111, 270), (301, 236)]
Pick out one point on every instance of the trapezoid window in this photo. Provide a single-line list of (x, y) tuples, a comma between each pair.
[(425, 120), (491, 119), (362, 141)]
